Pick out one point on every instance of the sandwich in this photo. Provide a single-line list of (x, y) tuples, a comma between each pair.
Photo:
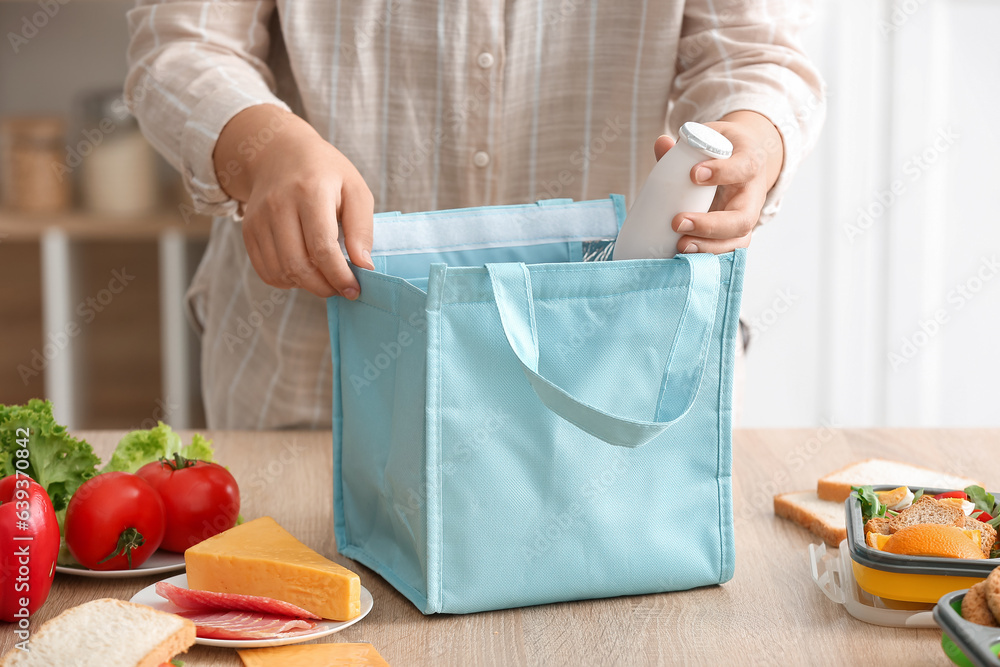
[(822, 512)]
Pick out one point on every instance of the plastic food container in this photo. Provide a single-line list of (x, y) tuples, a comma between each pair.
[(967, 644), (907, 578)]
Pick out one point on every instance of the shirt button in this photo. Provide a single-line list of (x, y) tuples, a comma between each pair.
[(481, 158), (485, 60)]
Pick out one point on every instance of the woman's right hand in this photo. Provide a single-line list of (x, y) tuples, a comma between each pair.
[(296, 187)]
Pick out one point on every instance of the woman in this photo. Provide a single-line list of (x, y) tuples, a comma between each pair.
[(294, 121)]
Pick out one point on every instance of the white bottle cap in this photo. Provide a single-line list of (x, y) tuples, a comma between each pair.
[(706, 140)]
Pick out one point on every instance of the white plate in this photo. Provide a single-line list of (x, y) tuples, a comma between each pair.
[(159, 563), (148, 597)]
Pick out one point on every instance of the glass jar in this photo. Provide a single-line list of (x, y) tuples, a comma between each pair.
[(31, 153)]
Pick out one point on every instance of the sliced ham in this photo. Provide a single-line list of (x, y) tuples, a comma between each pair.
[(245, 625), (209, 601)]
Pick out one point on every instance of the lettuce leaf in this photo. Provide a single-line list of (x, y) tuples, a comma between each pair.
[(138, 448), (984, 501), (871, 506), (56, 460)]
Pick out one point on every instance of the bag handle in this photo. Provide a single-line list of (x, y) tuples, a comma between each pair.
[(681, 377)]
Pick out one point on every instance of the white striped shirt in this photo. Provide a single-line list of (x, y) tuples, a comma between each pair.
[(439, 104)]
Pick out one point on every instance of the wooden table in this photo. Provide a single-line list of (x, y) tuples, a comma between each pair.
[(770, 613)]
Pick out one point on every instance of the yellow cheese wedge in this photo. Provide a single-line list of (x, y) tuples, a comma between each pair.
[(262, 558), (314, 655)]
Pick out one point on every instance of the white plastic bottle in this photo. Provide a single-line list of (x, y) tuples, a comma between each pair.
[(647, 232)]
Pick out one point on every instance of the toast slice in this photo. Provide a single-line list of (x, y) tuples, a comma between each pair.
[(987, 533), (825, 519), (928, 510), (837, 485), (879, 525), (105, 633)]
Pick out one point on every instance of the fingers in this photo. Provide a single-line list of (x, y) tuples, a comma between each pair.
[(263, 256), (740, 215), (689, 244), (742, 167), (318, 213), (296, 265), (663, 144), (356, 211)]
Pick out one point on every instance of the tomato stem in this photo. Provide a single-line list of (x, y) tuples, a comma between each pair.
[(178, 462), (129, 539)]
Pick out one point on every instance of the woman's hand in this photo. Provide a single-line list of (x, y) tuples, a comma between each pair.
[(743, 179), (296, 187)]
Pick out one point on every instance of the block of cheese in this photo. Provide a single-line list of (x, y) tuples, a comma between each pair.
[(314, 655), (262, 558)]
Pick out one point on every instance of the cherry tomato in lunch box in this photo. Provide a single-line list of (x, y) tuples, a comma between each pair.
[(202, 499), (114, 521), (952, 494)]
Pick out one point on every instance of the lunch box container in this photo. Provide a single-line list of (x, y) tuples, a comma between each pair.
[(967, 644), (907, 578)]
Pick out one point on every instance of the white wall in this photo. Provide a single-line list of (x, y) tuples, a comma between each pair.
[(879, 330)]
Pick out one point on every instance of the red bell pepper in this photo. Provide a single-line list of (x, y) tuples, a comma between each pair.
[(952, 494), (983, 516), (29, 546)]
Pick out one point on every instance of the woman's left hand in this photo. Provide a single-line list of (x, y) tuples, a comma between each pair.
[(744, 180)]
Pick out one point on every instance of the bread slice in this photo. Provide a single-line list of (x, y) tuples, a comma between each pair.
[(105, 633), (879, 525), (824, 518), (987, 533), (837, 485), (928, 510)]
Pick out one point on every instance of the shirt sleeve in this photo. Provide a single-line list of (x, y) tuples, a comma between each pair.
[(747, 56), (192, 66)]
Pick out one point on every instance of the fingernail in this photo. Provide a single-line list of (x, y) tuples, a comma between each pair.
[(350, 293), (691, 247), (702, 174), (368, 258), (685, 226)]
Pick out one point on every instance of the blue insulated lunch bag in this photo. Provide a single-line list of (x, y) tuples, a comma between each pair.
[(514, 426)]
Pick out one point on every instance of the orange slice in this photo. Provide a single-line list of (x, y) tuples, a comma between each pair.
[(929, 539)]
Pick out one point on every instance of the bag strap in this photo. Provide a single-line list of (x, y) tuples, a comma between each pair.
[(681, 378)]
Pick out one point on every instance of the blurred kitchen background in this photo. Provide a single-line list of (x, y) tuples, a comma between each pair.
[(873, 298)]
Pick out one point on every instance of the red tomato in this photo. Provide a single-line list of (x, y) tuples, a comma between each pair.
[(952, 494), (201, 499), (114, 521)]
